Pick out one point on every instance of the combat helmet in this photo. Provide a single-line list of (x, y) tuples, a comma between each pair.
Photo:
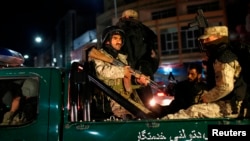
[(109, 31), (219, 31), (130, 13)]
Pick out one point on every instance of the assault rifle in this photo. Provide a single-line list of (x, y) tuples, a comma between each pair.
[(96, 54), (200, 22)]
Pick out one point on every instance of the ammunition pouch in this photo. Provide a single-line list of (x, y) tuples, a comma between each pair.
[(236, 106)]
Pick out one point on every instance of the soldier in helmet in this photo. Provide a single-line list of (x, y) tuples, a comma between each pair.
[(141, 48), (112, 75), (226, 88)]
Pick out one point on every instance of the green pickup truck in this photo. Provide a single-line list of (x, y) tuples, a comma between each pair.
[(62, 109)]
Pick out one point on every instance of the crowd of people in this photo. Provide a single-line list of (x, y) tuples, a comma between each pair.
[(134, 44)]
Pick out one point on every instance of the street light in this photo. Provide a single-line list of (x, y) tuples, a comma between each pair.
[(38, 39), (38, 47), (26, 56)]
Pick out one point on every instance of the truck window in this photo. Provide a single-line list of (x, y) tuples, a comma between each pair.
[(18, 101)]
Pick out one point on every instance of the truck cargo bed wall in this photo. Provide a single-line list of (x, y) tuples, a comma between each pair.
[(138, 110)]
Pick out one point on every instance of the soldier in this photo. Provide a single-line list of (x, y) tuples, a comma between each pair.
[(226, 87), (141, 48), (117, 77)]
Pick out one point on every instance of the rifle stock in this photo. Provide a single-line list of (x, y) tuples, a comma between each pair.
[(96, 54)]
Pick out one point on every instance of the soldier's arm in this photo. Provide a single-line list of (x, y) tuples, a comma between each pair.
[(224, 76)]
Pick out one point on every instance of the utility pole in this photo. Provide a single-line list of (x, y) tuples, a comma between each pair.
[(115, 7)]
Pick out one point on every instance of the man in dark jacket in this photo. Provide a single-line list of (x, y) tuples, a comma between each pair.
[(141, 48), (226, 88), (188, 91)]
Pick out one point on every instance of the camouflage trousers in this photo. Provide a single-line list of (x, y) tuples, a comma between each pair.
[(217, 109), (13, 119), (133, 98), (120, 111)]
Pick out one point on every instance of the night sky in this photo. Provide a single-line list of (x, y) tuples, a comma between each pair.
[(236, 12), (21, 21)]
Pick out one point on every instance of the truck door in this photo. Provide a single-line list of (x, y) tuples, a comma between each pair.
[(19, 107), (38, 114)]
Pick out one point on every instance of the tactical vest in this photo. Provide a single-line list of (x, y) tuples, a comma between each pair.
[(225, 55)]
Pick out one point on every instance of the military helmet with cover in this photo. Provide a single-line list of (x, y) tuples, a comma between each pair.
[(215, 30), (112, 30), (30, 87), (221, 34), (130, 13)]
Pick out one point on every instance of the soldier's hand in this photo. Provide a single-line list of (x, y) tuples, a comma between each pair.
[(127, 72), (204, 97), (143, 80)]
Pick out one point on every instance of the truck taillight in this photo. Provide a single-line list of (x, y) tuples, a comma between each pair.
[(160, 94), (80, 68), (152, 102)]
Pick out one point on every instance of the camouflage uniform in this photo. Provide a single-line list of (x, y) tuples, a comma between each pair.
[(113, 77), (215, 108), (221, 99), (141, 47)]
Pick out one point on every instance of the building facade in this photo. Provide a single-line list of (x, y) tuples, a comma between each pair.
[(171, 20)]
